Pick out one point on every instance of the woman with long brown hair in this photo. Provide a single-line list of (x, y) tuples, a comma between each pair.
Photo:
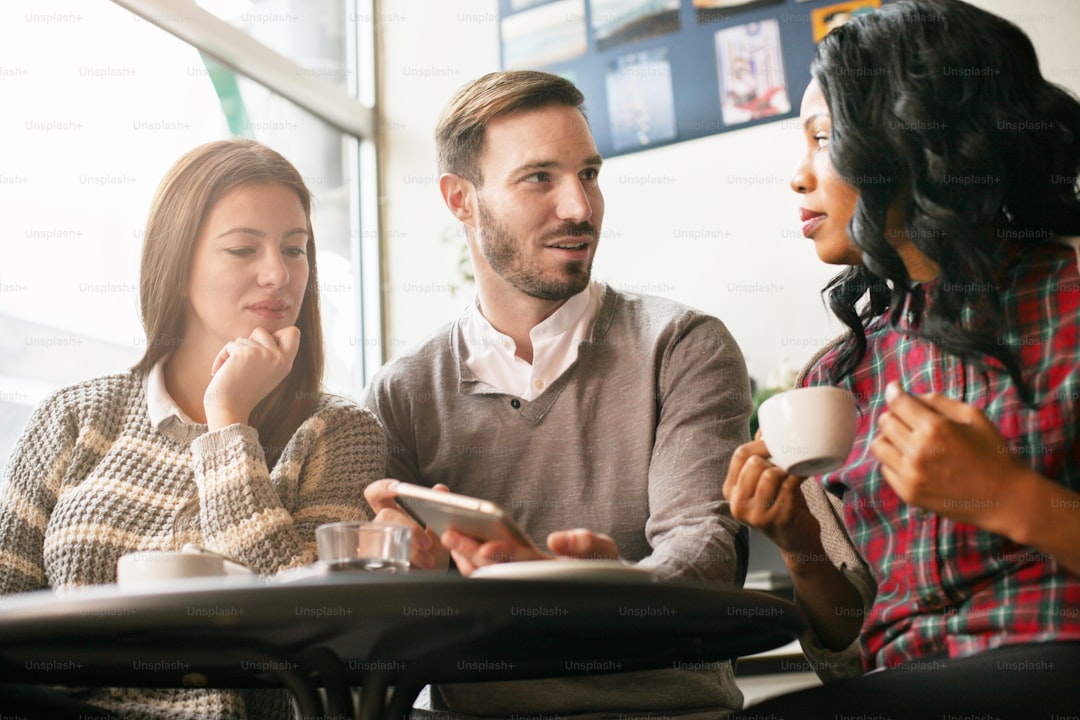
[(220, 435)]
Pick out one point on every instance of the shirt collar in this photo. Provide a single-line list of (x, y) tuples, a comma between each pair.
[(159, 404), (490, 356), (569, 316)]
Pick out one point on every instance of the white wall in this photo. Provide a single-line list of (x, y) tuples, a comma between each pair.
[(711, 222)]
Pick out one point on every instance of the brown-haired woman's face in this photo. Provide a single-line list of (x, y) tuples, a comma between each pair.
[(249, 266), (828, 202)]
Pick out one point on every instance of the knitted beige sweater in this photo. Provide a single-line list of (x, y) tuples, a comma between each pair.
[(91, 479)]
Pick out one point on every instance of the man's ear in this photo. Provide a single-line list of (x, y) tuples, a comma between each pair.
[(459, 195)]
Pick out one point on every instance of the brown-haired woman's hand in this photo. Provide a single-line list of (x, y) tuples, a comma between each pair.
[(768, 499), (245, 371)]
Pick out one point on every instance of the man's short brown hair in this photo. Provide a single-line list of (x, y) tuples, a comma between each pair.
[(459, 135)]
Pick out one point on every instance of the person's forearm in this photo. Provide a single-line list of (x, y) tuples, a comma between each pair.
[(1042, 515), (832, 604)]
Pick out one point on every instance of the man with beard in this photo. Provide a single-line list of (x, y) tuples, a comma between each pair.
[(569, 403)]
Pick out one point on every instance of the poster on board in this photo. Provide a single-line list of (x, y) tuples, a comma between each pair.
[(833, 16), (641, 104), (751, 70), (544, 35), (618, 22)]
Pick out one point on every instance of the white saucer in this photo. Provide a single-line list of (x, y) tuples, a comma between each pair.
[(564, 569)]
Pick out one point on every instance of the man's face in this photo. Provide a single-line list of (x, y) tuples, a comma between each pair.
[(539, 209)]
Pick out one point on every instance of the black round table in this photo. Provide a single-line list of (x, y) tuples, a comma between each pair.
[(341, 630)]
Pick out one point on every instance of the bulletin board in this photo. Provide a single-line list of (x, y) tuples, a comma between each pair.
[(657, 72)]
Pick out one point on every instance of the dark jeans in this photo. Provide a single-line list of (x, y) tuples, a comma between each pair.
[(1020, 682)]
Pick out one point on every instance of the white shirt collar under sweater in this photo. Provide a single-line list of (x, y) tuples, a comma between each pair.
[(489, 354), (163, 410)]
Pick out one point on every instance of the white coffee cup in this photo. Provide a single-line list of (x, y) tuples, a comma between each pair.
[(809, 431), (154, 565)]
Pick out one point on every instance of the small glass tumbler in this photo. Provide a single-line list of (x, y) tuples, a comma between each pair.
[(370, 546)]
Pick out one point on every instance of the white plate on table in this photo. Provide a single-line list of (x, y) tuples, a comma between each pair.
[(564, 569)]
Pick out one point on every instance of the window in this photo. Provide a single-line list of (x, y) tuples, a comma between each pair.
[(100, 101)]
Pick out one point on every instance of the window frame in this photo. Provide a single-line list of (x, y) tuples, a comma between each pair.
[(243, 54)]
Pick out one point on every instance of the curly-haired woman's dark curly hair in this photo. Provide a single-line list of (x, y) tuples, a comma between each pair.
[(943, 105)]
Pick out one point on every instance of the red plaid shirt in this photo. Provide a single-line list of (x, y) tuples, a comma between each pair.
[(946, 588)]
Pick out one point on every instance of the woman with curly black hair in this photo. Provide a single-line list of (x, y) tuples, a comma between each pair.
[(941, 168)]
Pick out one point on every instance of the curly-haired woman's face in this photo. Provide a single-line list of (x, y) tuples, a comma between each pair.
[(828, 202)]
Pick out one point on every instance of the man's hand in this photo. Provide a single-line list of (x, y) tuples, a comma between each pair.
[(583, 544), (426, 552), (469, 553)]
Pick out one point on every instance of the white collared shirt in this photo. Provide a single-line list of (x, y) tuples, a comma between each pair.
[(165, 414), (490, 354)]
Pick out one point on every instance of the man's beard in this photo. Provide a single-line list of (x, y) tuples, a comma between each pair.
[(504, 254)]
